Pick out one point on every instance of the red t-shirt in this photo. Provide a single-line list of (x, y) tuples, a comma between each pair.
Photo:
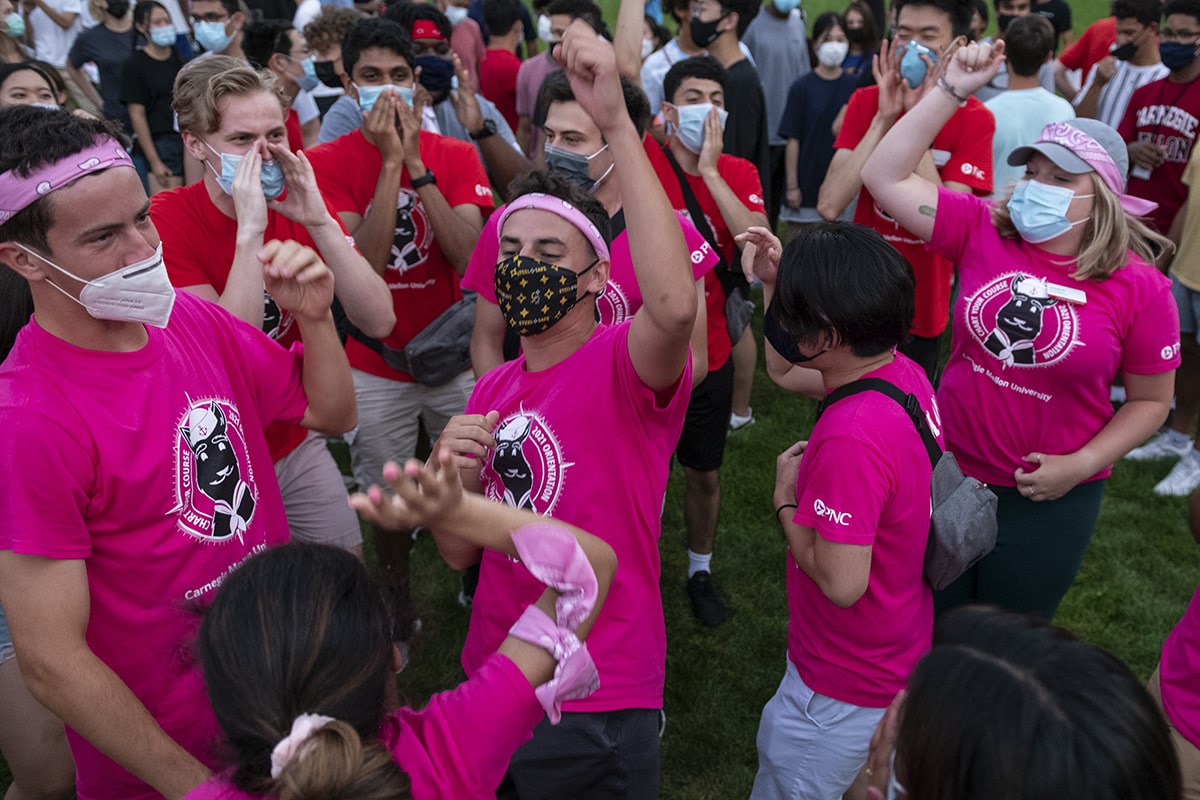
[(1092, 46), (198, 243), (498, 82), (423, 283), (962, 151), (743, 179), (295, 135), (1167, 113)]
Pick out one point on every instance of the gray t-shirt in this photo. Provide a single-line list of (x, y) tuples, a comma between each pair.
[(780, 49), (343, 117)]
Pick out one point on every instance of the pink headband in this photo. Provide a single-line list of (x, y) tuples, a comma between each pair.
[(17, 193), (1099, 159), (561, 208)]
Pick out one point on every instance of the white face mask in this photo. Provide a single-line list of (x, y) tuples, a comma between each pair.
[(455, 14), (139, 292), (647, 48), (832, 54), (543, 28)]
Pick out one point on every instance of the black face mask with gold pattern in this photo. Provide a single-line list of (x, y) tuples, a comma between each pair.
[(533, 295)]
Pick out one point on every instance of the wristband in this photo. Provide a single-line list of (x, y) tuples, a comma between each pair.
[(782, 507), (552, 555), (575, 674), (945, 86)]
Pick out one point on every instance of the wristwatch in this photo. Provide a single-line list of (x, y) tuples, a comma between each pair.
[(488, 129), (425, 180)]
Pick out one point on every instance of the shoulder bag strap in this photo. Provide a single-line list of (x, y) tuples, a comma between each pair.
[(908, 402)]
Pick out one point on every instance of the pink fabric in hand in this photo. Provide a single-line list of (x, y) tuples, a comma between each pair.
[(554, 557)]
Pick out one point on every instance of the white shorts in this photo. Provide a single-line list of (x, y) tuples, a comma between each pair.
[(810, 746)]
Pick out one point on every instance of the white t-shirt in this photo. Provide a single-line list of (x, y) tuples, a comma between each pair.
[(50, 42), (1114, 97)]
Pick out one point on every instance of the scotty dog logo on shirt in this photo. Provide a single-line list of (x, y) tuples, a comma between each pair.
[(413, 235), (1017, 321), (612, 305), (526, 469), (214, 481)]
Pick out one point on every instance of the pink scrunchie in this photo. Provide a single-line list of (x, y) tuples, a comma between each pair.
[(553, 556)]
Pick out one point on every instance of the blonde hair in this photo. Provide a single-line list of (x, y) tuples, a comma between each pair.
[(334, 762), (1108, 235), (204, 83)]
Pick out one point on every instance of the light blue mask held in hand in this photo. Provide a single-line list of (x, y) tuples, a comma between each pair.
[(912, 66)]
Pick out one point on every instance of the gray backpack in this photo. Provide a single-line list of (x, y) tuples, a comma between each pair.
[(962, 526)]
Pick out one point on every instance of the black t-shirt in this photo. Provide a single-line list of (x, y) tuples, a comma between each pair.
[(746, 134), (149, 82), (108, 50), (812, 105), (1059, 14)]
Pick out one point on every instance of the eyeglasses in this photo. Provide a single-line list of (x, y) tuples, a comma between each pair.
[(1184, 37)]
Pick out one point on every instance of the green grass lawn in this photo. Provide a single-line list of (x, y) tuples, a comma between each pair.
[(1138, 576)]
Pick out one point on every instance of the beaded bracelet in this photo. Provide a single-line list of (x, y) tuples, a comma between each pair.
[(950, 90)]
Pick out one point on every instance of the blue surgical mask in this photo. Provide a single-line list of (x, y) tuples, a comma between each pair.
[(575, 167), (270, 176), (785, 6), (163, 36), (16, 24), (212, 36), (1039, 211), (308, 79), (691, 124), (367, 95), (912, 66)]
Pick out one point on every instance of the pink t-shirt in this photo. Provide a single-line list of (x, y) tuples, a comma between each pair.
[(456, 747), (864, 480), (587, 442), (1033, 375), (621, 297), (152, 468), (1179, 673)]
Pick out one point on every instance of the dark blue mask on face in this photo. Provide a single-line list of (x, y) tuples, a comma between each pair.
[(437, 73), (1176, 55)]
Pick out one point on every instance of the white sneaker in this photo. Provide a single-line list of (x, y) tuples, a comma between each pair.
[(1182, 480), (737, 421), (1161, 445)]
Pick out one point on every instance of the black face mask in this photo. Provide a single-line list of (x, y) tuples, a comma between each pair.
[(854, 35), (784, 342), (327, 74), (1002, 21), (436, 75), (118, 8), (705, 33), (1125, 51)]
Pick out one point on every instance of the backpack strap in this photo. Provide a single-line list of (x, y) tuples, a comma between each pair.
[(909, 402)]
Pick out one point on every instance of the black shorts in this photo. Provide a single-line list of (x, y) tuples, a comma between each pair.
[(702, 443)]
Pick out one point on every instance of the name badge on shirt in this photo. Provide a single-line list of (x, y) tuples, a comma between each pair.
[(1141, 173), (1068, 293)]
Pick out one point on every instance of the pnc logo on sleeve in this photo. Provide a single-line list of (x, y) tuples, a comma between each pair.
[(837, 517)]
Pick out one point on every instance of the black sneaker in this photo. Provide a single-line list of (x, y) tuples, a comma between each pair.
[(707, 605)]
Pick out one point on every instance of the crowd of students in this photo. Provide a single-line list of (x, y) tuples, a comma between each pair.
[(403, 225)]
